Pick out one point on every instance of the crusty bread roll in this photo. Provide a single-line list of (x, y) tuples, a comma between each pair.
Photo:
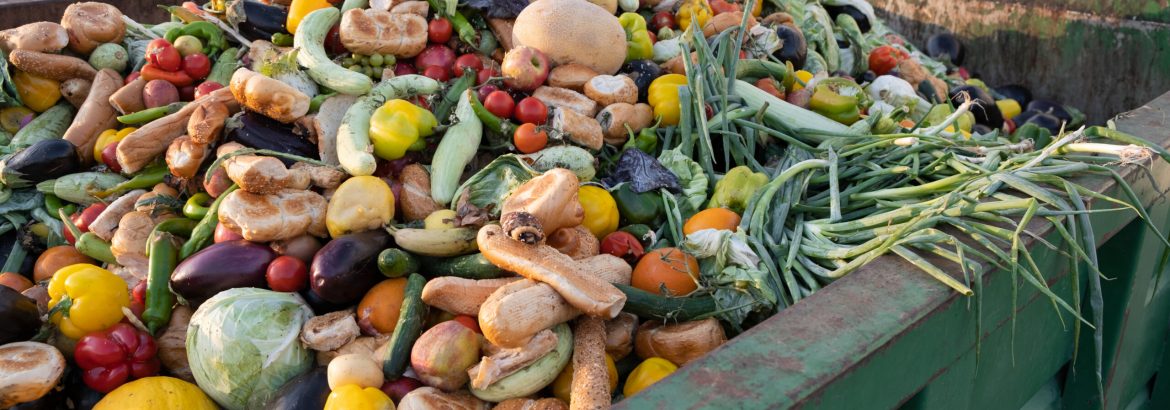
[(374, 31), (268, 96)]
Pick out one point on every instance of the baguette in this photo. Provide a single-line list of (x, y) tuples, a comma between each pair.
[(145, 144), (383, 32), (52, 66), (551, 198), (268, 96), (206, 123), (577, 242), (461, 296), (104, 225), (504, 362), (184, 156), (566, 98), (128, 99), (590, 388), (95, 115), (580, 129)]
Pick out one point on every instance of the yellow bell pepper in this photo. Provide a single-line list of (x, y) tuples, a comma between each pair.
[(397, 125), (663, 96), (84, 298), (697, 8), (37, 93), (1008, 107), (108, 137), (159, 392), (353, 397), (648, 372), (298, 9), (601, 213), (361, 203), (804, 77), (562, 387)]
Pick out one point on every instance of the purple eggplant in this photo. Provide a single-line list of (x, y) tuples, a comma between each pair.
[(219, 267), (346, 267)]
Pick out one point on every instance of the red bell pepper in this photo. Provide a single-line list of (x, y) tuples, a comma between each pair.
[(112, 357), (178, 78), (885, 58)]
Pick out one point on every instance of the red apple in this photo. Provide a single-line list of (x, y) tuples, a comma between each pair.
[(110, 157), (525, 68), (224, 234)]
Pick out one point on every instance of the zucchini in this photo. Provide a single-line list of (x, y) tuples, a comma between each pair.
[(535, 376), (309, 44), (410, 321), (51, 124), (396, 263), (473, 266), (455, 151), (224, 67), (756, 69), (353, 137), (650, 306)]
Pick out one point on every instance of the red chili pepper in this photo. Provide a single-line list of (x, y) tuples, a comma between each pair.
[(178, 78), (623, 245), (721, 6), (114, 356)]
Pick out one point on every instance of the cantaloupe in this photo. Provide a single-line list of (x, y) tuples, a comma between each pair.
[(573, 31)]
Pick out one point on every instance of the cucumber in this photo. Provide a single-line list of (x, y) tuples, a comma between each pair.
[(473, 266), (455, 151), (410, 322), (648, 305), (396, 263), (535, 376), (353, 137), (309, 44)]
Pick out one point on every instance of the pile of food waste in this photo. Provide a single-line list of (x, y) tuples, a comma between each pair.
[(380, 204)]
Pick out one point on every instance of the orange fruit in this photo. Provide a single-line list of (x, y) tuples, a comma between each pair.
[(15, 281), (712, 218), (380, 306), (671, 268), (56, 258)]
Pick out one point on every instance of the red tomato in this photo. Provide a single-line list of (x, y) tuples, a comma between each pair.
[(531, 110), (486, 90), (187, 93), (486, 74), (404, 68), (885, 58), (469, 322), (437, 73), (223, 234), (467, 61), (529, 139), (287, 274), (769, 86), (110, 157), (439, 30), (623, 245), (435, 55), (82, 219), (500, 104), (197, 65), (163, 54), (662, 19), (206, 88)]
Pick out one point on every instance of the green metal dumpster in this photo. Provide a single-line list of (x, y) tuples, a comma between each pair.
[(890, 336)]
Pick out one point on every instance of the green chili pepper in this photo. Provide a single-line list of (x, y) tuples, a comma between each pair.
[(282, 40), (645, 140), (174, 226), (196, 206), (736, 188), (53, 204), (316, 101), (88, 244), (443, 109), (149, 177), (202, 234), (151, 114), (491, 121), (637, 208), (638, 45), (159, 299)]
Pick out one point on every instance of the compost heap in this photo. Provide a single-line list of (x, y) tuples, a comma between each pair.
[(491, 203)]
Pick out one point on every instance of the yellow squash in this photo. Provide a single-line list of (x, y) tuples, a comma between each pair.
[(360, 204), (159, 392)]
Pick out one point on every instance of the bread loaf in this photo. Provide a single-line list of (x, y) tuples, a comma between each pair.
[(375, 31), (268, 96)]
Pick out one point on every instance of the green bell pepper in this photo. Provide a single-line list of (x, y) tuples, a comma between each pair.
[(638, 45), (736, 188), (839, 99), (637, 208), (212, 37)]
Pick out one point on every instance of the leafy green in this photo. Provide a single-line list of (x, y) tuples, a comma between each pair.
[(690, 176), (734, 274), (8, 95), (491, 185), (242, 345)]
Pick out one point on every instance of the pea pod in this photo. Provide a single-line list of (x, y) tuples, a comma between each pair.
[(149, 177)]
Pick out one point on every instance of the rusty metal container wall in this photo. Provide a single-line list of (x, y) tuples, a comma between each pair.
[(1101, 56)]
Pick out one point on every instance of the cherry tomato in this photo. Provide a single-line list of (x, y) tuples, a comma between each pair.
[(110, 157), (439, 30), (469, 322), (468, 61), (223, 234), (82, 219), (138, 294), (486, 74), (662, 19), (197, 65), (163, 54), (287, 274), (885, 58), (437, 73), (531, 110), (486, 90), (623, 245), (529, 139), (500, 104), (206, 88)]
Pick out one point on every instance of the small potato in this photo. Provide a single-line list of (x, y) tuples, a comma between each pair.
[(158, 93), (354, 369)]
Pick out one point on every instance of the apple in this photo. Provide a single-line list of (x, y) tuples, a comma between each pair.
[(524, 68), (110, 157)]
